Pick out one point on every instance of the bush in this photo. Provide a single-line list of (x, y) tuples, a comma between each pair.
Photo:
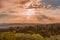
[(20, 36), (7, 36)]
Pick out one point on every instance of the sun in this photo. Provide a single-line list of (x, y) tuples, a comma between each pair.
[(29, 13)]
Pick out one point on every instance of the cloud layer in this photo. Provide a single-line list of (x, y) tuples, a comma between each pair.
[(12, 13)]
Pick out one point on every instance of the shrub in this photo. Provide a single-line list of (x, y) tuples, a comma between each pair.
[(7, 36)]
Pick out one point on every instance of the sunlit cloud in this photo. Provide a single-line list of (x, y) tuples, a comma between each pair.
[(13, 13)]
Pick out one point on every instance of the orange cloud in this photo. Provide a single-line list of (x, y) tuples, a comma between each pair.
[(15, 13)]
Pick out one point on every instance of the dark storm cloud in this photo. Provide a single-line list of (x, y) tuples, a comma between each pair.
[(54, 3)]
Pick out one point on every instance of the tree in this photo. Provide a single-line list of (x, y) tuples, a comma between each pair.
[(11, 29)]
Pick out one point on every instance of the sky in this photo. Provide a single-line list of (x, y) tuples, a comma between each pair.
[(54, 3), (13, 11)]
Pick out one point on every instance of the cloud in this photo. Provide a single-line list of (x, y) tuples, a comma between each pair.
[(13, 14), (42, 16), (6, 15)]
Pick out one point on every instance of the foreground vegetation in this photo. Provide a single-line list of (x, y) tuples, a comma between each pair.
[(31, 32), (20, 36)]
